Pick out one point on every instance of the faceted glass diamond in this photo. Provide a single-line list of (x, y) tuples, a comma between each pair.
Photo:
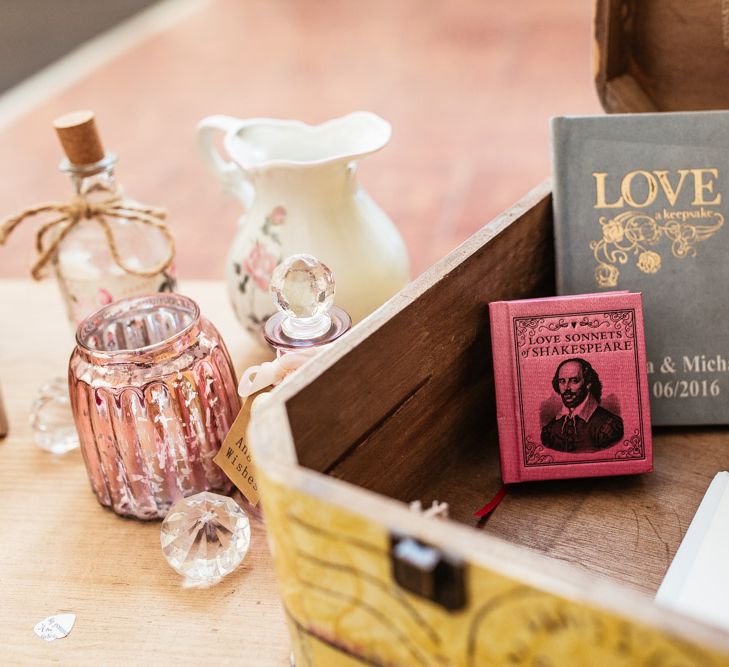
[(205, 537)]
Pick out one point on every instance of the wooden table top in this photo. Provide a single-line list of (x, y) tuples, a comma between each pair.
[(63, 552), (469, 87)]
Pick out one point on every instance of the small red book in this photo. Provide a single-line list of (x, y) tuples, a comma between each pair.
[(571, 386)]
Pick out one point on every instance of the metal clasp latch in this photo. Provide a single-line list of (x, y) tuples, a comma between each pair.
[(427, 571)]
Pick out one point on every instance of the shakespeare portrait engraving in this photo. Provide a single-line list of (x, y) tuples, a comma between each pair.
[(583, 424)]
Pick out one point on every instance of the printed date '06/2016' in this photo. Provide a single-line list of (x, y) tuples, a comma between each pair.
[(686, 388)]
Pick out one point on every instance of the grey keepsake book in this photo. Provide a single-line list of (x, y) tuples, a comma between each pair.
[(640, 204)]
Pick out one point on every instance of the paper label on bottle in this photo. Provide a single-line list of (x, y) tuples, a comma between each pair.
[(234, 457), (84, 296)]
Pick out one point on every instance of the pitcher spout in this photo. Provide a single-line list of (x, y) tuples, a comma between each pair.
[(259, 144)]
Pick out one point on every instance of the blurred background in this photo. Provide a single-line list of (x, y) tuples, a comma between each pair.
[(35, 33), (468, 85)]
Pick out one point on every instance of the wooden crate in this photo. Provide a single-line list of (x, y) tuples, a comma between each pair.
[(662, 55), (403, 408)]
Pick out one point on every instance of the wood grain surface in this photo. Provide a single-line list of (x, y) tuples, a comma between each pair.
[(624, 529), (468, 86), (61, 551)]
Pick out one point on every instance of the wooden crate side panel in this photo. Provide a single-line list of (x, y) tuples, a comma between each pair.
[(334, 574), (448, 464), (455, 407), (611, 59), (435, 348), (624, 94)]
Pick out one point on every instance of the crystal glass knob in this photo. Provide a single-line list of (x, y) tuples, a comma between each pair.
[(205, 537), (303, 288)]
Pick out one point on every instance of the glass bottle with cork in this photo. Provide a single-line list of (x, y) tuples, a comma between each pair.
[(100, 246), (118, 248)]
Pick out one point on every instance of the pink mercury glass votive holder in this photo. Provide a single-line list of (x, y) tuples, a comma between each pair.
[(153, 393)]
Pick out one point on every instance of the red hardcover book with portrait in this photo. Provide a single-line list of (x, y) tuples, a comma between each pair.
[(571, 386)]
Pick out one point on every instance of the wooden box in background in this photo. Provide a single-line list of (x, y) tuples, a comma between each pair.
[(403, 409), (662, 55)]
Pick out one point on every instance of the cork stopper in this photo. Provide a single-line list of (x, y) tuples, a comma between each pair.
[(79, 137)]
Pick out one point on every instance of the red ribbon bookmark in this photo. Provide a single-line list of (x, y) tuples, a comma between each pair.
[(490, 506)]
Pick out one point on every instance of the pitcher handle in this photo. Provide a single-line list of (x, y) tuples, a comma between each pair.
[(228, 173)]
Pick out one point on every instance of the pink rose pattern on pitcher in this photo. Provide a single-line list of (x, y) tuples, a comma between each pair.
[(256, 268), (259, 266)]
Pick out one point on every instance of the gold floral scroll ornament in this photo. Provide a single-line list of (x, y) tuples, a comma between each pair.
[(633, 234)]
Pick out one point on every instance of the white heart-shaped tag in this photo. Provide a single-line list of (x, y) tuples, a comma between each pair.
[(55, 627)]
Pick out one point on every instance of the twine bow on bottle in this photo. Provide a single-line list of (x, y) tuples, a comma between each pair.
[(80, 208)]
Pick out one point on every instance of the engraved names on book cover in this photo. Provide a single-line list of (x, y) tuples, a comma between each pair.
[(640, 204), (571, 387)]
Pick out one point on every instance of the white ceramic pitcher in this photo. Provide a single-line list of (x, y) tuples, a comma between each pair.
[(298, 188)]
